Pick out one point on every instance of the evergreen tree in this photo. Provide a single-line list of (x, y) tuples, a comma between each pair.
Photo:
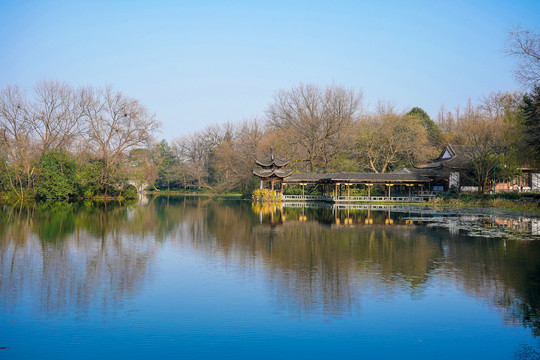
[(168, 167), (531, 121), (56, 176), (433, 130)]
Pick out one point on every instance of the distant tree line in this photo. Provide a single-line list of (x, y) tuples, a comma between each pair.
[(327, 130), (63, 142)]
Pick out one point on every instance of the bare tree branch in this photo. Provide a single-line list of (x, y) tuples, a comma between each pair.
[(524, 44)]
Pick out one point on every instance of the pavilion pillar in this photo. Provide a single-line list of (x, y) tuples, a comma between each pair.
[(389, 190), (261, 186), (272, 182), (409, 186), (369, 192), (422, 191), (348, 191), (282, 187)]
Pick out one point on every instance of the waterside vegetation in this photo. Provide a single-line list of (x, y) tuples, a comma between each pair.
[(529, 203)]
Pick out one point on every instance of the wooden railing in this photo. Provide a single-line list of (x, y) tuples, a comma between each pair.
[(307, 198), (343, 199)]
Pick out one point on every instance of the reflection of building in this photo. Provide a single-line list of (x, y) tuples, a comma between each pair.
[(335, 215)]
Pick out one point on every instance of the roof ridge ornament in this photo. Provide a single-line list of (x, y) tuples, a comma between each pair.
[(271, 161)]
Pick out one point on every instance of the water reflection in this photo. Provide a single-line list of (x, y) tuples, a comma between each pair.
[(72, 257), (316, 260)]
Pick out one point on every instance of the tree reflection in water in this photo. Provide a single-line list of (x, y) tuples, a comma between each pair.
[(315, 260)]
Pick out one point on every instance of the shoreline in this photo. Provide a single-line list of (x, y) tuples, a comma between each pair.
[(521, 204)]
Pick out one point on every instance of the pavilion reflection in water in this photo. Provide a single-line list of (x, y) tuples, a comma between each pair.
[(384, 214), (332, 214)]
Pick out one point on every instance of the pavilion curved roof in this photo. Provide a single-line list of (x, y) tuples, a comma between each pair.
[(272, 160), (270, 173)]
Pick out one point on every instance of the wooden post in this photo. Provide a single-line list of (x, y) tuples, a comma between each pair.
[(348, 191), (409, 185), (302, 185), (272, 182), (261, 186), (369, 192)]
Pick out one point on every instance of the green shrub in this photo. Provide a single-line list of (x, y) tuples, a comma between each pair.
[(509, 195), (130, 192), (56, 176)]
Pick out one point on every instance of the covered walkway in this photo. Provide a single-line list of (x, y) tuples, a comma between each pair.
[(336, 187)]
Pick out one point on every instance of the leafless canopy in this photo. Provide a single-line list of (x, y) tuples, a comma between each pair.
[(318, 120), (525, 45), (115, 123)]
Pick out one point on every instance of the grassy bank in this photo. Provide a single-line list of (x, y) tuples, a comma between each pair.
[(511, 201)]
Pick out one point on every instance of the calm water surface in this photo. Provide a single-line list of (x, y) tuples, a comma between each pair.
[(201, 278)]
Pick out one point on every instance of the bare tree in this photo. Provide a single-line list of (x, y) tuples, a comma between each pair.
[(525, 45), (234, 157), (489, 132), (501, 104), (484, 136), (15, 139), (194, 151), (115, 125), (316, 120), (55, 115)]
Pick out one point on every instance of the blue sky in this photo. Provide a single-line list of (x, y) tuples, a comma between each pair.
[(204, 62)]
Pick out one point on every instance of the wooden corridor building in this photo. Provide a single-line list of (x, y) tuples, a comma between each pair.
[(337, 185), (334, 186)]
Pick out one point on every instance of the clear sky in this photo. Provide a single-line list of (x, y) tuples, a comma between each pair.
[(195, 63)]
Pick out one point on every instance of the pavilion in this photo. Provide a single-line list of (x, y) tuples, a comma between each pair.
[(271, 170)]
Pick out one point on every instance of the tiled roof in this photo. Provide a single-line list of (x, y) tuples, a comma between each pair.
[(401, 177), (459, 156), (268, 173), (268, 161), (271, 161)]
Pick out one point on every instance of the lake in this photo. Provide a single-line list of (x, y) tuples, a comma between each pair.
[(196, 278)]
